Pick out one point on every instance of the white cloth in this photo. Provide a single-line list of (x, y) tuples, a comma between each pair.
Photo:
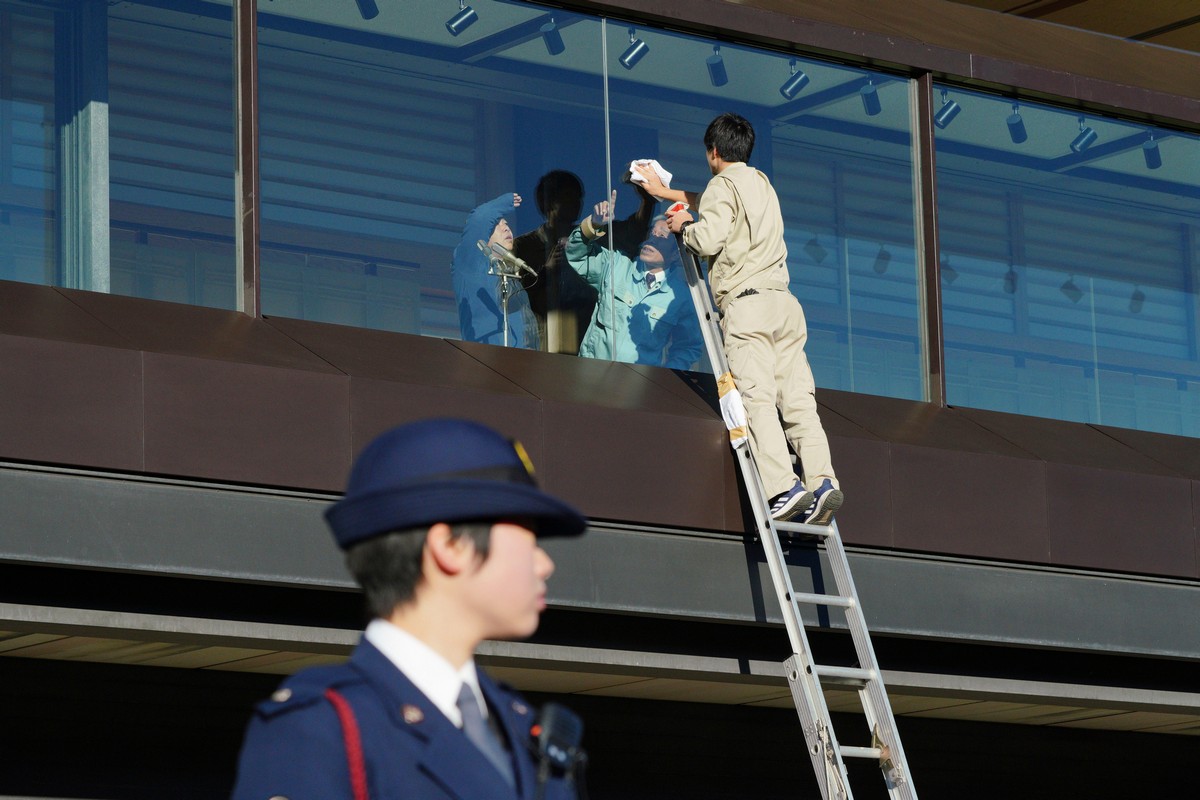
[(636, 176), (732, 410), (433, 675)]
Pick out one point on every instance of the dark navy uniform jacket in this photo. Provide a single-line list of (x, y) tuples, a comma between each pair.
[(294, 746)]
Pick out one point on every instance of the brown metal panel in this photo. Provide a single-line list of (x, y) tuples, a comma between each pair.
[(969, 504), (864, 470), (377, 405), (1180, 454), (246, 423), (178, 329), (399, 357), (658, 469), (69, 403), (585, 381), (911, 422), (1121, 521), (1065, 442), (42, 311)]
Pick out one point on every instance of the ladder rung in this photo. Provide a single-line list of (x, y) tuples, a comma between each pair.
[(800, 527), (823, 599), (855, 674), (873, 753)]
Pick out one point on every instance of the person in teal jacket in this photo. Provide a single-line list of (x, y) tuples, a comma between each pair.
[(644, 314)]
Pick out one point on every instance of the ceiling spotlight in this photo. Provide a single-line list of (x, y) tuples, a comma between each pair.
[(882, 259), (1016, 126), (1137, 300), (870, 98), (947, 112), (635, 52), (815, 251), (1010, 281), (1087, 136), (716, 67), (465, 18), (367, 9), (1070, 290), (1151, 154), (552, 38), (792, 86), (949, 273)]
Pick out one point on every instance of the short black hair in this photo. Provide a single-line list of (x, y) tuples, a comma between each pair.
[(732, 136), (388, 567), (553, 185)]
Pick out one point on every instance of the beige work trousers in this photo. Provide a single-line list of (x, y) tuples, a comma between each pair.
[(764, 342)]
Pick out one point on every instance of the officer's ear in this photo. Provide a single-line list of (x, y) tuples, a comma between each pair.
[(449, 554)]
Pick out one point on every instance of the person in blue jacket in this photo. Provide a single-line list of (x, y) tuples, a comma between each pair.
[(644, 314), (441, 524), (478, 291)]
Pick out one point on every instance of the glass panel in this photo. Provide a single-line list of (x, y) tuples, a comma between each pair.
[(27, 146), (171, 157), (392, 145), (1069, 265), (842, 168)]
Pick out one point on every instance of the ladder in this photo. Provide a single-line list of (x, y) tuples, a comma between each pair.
[(804, 675)]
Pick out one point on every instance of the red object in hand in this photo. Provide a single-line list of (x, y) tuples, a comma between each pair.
[(676, 208)]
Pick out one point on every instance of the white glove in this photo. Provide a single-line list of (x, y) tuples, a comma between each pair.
[(732, 410), (636, 176)]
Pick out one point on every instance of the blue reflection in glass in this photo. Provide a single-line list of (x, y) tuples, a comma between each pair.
[(1101, 325)]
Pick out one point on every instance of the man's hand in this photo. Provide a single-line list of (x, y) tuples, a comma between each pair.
[(604, 211), (653, 185), (516, 200), (675, 221)]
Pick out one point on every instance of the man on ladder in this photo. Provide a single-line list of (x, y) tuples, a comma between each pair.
[(740, 230)]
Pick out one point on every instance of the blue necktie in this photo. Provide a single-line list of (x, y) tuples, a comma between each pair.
[(477, 730)]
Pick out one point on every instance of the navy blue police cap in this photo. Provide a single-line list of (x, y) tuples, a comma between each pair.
[(443, 470)]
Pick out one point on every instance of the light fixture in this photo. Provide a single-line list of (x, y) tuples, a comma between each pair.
[(815, 251), (870, 98), (716, 67), (1151, 154), (552, 38), (882, 259), (798, 80), (1016, 126), (1137, 300), (367, 9), (1010, 281), (1070, 290), (465, 18), (635, 52), (1085, 139), (947, 112), (949, 273)]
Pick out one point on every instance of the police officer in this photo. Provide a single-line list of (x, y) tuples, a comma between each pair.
[(440, 524)]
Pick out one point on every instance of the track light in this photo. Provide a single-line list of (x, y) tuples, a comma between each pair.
[(1010, 281), (1137, 300), (1085, 139), (1016, 126), (882, 259), (1070, 290), (1151, 154), (716, 67), (465, 18), (635, 52), (949, 273), (815, 251), (552, 38), (947, 112), (367, 9), (870, 98), (798, 80)]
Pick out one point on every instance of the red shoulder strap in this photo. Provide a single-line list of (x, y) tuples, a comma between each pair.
[(354, 751)]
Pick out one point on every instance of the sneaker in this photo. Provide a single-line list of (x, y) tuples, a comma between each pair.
[(826, 500), (786, 505)]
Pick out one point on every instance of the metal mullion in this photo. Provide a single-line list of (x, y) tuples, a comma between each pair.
[(248, 200), (925, 189)]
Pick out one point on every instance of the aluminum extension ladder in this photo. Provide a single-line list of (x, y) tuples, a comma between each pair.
[(804, 675)]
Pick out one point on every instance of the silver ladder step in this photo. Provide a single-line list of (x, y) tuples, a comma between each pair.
[(806, 678)]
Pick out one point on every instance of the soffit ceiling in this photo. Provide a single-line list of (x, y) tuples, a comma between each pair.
[(1168, 23)]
